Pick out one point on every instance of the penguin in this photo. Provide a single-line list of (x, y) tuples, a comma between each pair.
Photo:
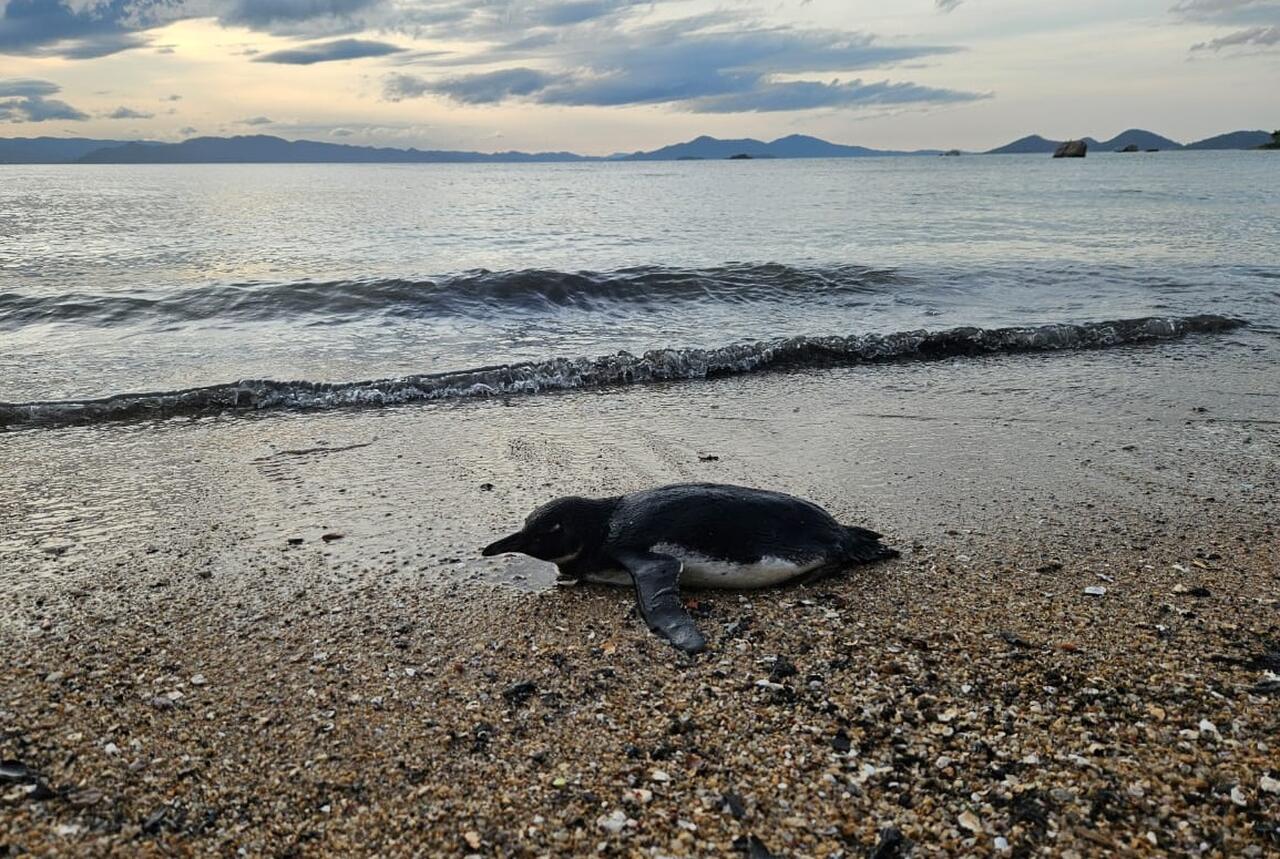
[(698, 534)]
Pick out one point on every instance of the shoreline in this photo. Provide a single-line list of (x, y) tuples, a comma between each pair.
[(181, 679)]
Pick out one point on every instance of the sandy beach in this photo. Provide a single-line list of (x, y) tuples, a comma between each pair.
[(1077, 653)]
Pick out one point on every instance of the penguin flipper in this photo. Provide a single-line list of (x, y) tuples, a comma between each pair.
[(657, 581)]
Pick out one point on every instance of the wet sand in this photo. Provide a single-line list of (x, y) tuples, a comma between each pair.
[(180, 679)]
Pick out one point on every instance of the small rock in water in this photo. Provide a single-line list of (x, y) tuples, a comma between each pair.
[(1000, 843), (472, 838), (486, 487), (968, 820), (1238, 797), (198, 680), (659, 775), (161, 702), (331, 536), (709, 457), (1267, 784), (840, 742), (1096, 591), (294, 541)]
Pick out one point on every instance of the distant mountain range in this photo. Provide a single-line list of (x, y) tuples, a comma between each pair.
[(794, 146), (275, 150), (1035, 144), (262, 148)]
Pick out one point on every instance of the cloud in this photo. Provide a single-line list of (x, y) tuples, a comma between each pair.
[(298, 17), (26, 100), (174, 97), (810, 95), (1258, 22), (128, 113), (189, 129), (85, 29), (1232, 12), (325, 52), (945, 6), (257, 120), (486, 88), (74, 29), (27, 88), (1264, 37), (694, 64)]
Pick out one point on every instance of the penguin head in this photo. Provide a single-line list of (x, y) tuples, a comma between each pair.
[(554, 532)]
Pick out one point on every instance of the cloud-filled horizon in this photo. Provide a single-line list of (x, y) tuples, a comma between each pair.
[(604, 75)]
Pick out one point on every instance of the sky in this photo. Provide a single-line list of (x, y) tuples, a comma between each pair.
[(605, 76)]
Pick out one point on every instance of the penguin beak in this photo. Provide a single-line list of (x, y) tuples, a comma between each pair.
[(510, 543)]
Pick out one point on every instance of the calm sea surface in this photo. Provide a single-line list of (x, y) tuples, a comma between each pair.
[(123, 279)]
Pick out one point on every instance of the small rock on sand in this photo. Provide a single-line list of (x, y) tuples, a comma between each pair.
[(614, 822)]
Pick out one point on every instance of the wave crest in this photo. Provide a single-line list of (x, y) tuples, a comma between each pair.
[(470, 293), (658, 365)]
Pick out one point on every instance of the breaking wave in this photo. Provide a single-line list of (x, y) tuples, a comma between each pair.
[(659, 365)]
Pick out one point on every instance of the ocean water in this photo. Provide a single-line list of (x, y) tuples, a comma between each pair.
[(128, 291)]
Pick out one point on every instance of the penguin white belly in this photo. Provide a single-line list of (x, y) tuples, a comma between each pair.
[(701, 571)]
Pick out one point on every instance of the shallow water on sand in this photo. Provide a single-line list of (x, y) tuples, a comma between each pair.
[(1007, 444)]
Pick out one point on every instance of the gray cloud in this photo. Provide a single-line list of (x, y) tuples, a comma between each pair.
[(487, 88), (810, 95), (38, 110), (257, 120), (1263, 37), (75, 30), (85, 29), (26, 100), (570, 52), (1231, 12), (300, 17), (696, 64), (325, 52), (128, 113), (27, 88), (174, 97), (505, 19), (398, 87), (1257, 22), (189, 129)]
